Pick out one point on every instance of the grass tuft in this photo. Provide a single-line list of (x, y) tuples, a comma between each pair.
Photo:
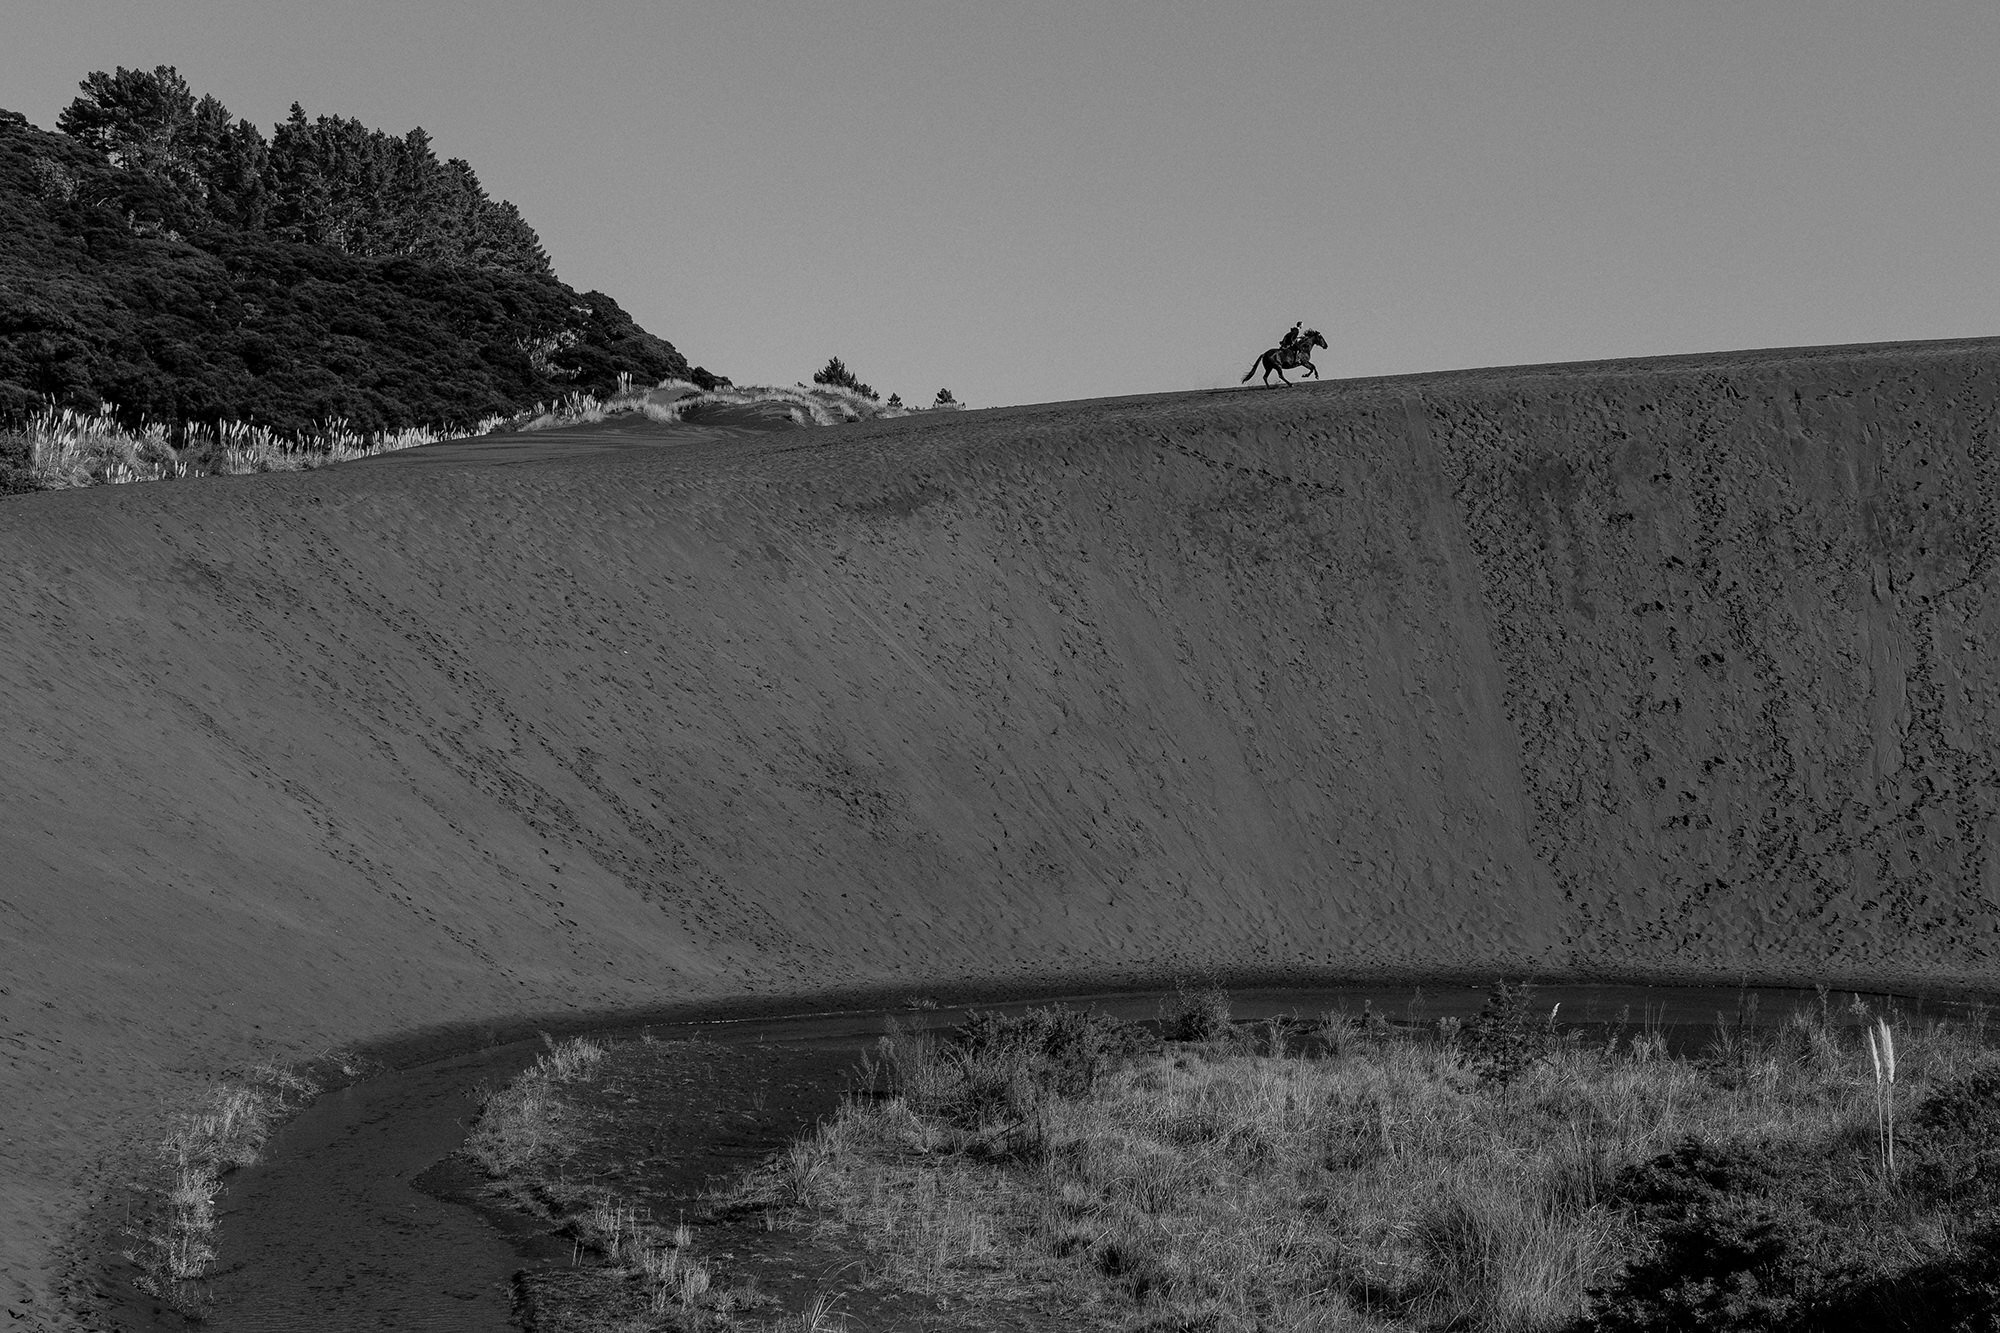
[(529, 1118), (222, 1128)]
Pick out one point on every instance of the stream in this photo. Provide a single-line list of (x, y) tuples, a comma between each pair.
[(334, 1229)]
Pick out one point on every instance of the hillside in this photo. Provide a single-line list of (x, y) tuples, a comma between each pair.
[(181, 267), (1643, 669)]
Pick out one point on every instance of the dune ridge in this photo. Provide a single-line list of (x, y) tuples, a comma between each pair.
[(1674, 668)]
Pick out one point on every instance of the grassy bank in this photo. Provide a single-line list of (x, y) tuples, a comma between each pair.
[(807, 405), (552, 1145), (1505, 1174), (179, 1175), (1840, 1170), (62, 448)]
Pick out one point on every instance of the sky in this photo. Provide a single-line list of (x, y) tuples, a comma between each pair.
[(1027, 202)]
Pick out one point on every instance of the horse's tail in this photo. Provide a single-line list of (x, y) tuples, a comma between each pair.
[(1253, 368)]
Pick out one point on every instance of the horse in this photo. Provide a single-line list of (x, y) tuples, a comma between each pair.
[(1281, 359)]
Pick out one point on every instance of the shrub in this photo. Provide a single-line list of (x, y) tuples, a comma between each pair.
[(1200, 1015), (1955, 1294), (1694, 1176), (835, 374), (1065, 1050), (1725, 1251), (1953, 1138), (996, 1068), (17, 463), (1737, 1266)]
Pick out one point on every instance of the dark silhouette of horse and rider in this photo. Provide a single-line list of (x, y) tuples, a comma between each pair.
[(1294, 351)]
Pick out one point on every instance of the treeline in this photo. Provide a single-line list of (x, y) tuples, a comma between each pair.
[(330, 182), (160, 254)]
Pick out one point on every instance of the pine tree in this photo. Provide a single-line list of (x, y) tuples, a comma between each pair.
[(301, 200), (140, 120), (836, 374)]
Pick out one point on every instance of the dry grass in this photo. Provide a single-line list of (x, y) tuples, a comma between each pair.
[(807, 405), (819, 405), (662, 1259), (528, 1129), (222, 1128), (529, 1119), (1383, 1186), (66, 448)]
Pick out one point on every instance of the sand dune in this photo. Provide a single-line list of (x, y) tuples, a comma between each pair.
[(1674, 668)]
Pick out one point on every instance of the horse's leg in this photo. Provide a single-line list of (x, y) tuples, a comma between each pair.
[(1313, 368)]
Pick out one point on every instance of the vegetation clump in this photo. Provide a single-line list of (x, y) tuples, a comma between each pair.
[(181, 1177), (1198, 1015), (1505, 1037), (1354, 1172), (178, 264), (529, 1117), (836, 374), (998, 1070), (1499, 1174)]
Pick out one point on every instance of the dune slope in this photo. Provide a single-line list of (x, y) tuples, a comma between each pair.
[(1679, 667)]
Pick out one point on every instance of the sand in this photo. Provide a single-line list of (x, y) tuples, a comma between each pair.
[(1675, 669)]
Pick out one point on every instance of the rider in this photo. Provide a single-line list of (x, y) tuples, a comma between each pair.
[(1292, 337)]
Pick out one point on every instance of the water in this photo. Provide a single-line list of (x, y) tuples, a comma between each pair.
[(332, 1230)]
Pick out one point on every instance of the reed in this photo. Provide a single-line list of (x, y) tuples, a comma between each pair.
[(1882, 1054)]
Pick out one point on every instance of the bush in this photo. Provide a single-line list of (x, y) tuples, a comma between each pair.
[(1738, 1266), (1066, 1050), (1201, 1015), (1726, 1252), (1692, 1178), (1958, 1294), (836, 374), (17, 463), (996, 1068), (1953, 1138)]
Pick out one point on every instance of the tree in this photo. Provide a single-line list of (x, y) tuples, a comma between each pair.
[(336, 183), (944, 399), (234, 165), (836, 374), (149, 124), (141, 120), (101, 302)]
